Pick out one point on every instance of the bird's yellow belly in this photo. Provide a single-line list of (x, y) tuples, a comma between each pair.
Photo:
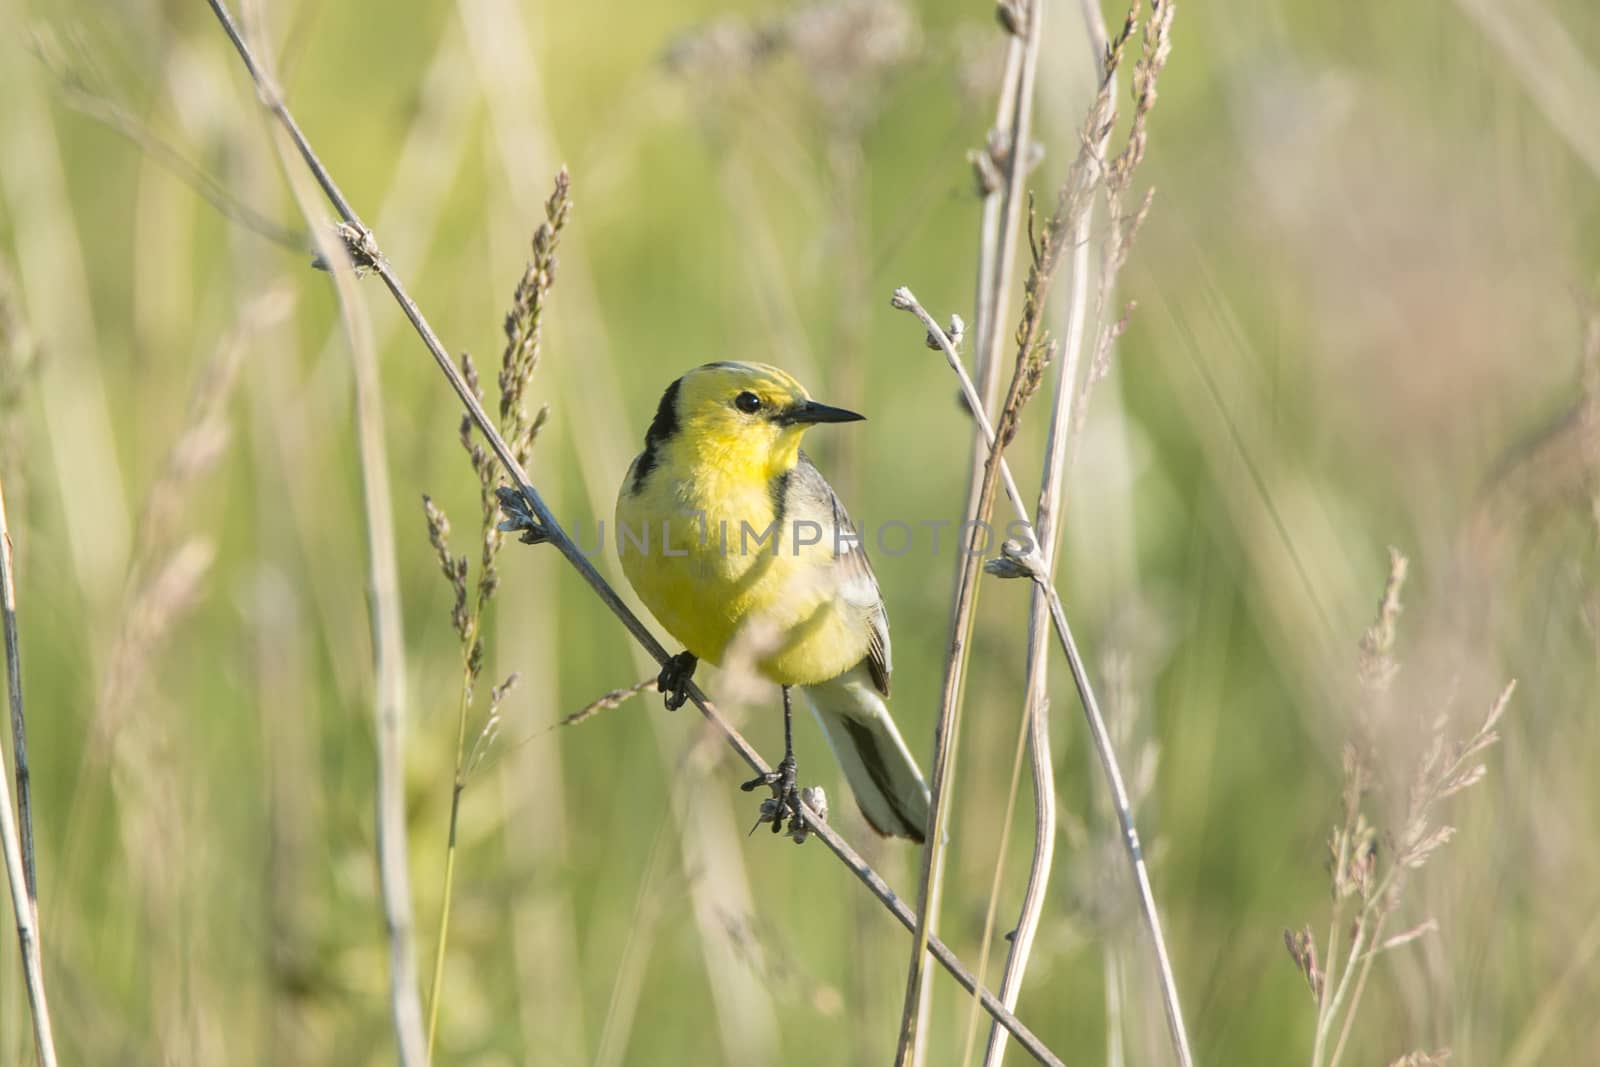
[(721, 588)]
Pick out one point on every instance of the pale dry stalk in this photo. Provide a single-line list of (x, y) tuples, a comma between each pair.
[(1034, 352), (19, 862), (1020, 563), (1001, 168), (1091, 170), (524, 331), (19, 721), (388, 650), (388, 645), (1047, 530), (1375, 879)]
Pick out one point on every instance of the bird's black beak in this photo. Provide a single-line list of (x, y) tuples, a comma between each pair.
[(812, 412)]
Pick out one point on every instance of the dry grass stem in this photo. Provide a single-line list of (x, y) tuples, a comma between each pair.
[(529, 513), (994, 187), (17, 841), (1024, 562), (81, 92), (1101, 739), (388, 645), (1550, 64), (523, 329), (1365, 876), (19, 719), (344, 259), (1000, 169), (162, 584), (1035, 727), (1419, 1058), (614, 699), (1035, 351), (948, 724)]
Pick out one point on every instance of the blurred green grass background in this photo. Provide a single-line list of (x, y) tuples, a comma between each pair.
[(1361, 302)]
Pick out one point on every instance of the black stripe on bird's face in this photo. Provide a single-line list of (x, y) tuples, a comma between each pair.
[(662, 429)]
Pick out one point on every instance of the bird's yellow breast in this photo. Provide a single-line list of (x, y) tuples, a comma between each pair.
[(700, 545)]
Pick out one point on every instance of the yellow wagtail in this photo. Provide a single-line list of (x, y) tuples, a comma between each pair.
[(722, 524)]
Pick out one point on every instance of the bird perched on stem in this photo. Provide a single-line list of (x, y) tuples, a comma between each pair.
[(723, 524)]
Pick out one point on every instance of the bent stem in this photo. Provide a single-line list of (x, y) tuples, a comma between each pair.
[(1130, 834), (997, 241), (1047, 530), (18, 853), (458, 786), (1030, 564), (388, 643), (530, 511), (1036, 702), (1033, 352), (389, 664), (19, 727), (1361, 985)]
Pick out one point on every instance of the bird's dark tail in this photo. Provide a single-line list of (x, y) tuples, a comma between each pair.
[(884, 777)]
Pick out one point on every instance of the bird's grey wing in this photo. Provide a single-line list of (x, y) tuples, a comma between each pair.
[(858, 586)]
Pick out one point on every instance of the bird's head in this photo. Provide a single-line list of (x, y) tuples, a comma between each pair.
[(748, 415)]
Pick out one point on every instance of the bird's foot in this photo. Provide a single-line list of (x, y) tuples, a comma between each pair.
[(519, 518), (782, 809), (675, 677)]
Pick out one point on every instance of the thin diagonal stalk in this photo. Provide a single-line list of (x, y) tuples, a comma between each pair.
[(457, 787), (1130, 834), (1045, 821), (980, 504), (1099, 735), (1361, 985), (383, 583), (1111, 968), (643, 924), (19, 722), (389, 662), (1330, 972), (948, 725), (1001, 221), (998, 252), (905, 299), (18, 853), (997, 241), (389, 652), (153, 146), (1035, 702), (985, 317), (365, 248), (1047, 531)]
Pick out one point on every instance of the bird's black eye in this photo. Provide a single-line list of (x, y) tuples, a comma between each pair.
[(747, 402)]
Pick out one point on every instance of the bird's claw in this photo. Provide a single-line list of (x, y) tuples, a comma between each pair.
[(801, 821), (784, 804), (674, 679)]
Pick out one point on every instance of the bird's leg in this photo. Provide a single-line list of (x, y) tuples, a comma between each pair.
[(674, 679), (785, 802), (788, 792)]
